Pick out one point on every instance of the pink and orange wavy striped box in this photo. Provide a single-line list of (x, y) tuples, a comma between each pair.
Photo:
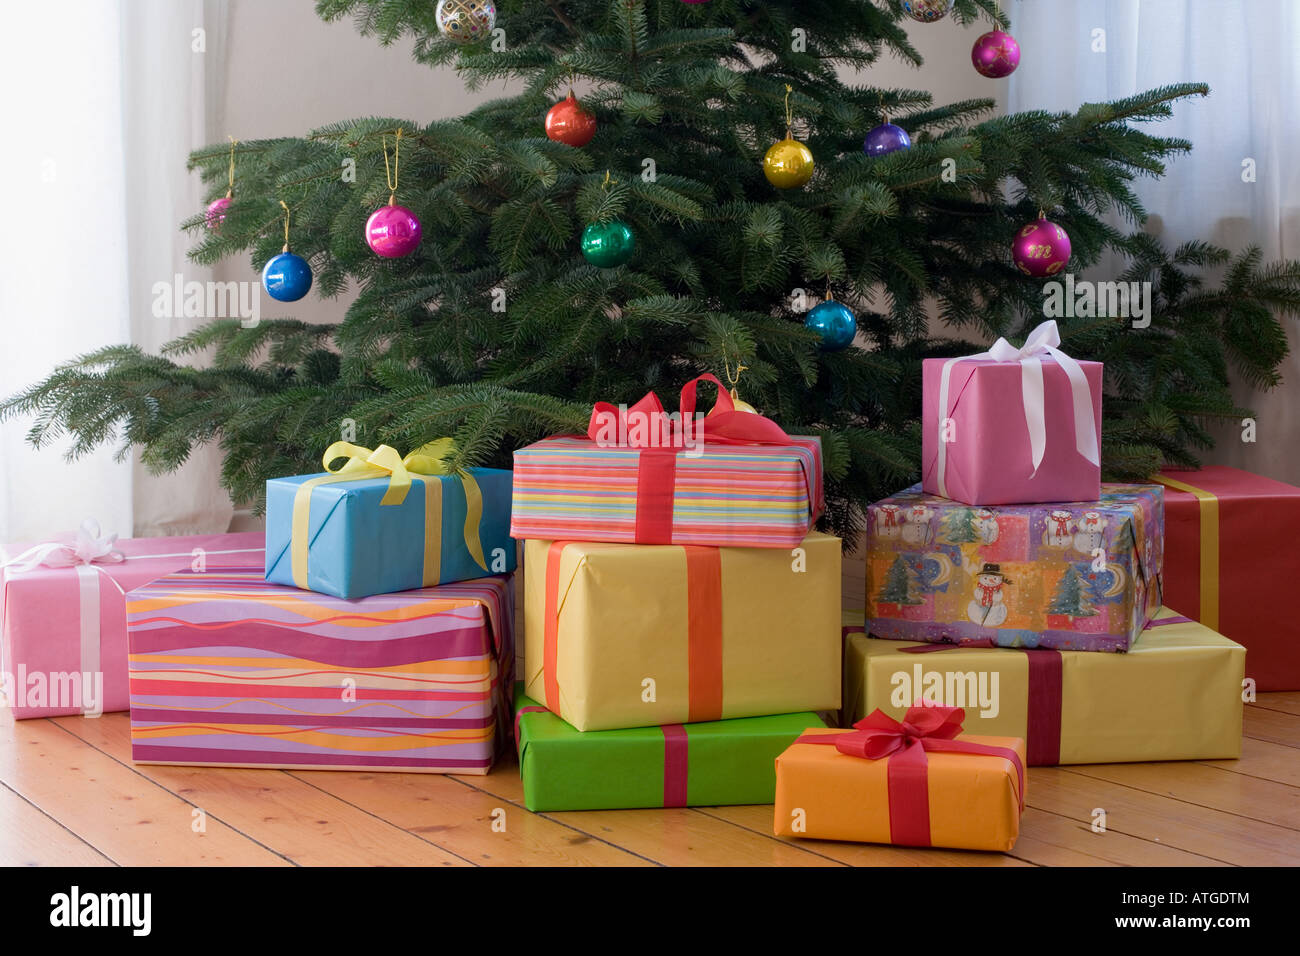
[(227, 669)]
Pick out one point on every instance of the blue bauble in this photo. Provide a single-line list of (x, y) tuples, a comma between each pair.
[(287, 277), (886, 138), (834, 323)]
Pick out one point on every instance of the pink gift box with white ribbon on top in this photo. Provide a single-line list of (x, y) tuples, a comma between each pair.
[(63, 644), (1012, 425)]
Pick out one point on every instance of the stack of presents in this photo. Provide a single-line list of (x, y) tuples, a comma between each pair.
[(683, 636)]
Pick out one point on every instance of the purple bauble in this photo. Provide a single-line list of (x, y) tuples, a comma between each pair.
[(392, 231), (1041, 249), (886, 138), (217, 213), (995, 54)]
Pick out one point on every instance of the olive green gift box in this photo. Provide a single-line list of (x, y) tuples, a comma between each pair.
[(709, 764)]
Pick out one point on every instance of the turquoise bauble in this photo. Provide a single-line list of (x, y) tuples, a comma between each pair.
[(834, 323), (608, 244)]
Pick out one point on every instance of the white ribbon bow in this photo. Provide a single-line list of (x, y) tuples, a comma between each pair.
[(1042, 341), (90, 547)]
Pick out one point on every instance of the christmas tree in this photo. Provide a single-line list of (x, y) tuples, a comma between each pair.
[(1070, 597), (900, 581), (497, 331), (959, 526)]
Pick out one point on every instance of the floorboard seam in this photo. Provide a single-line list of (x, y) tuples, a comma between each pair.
[(59, 823)]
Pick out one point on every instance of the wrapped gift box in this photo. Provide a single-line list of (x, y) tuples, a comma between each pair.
[(1228, 535), (620, 635), (1070, 576), (640, 475), (1012, 426), (713, 764), (357, 532), (1175, 696), (228, 669), (921, 784), (63, 642)]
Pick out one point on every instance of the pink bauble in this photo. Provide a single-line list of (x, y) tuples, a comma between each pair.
[(392, 231), (216, 214), (995, 54), (1041, 248)]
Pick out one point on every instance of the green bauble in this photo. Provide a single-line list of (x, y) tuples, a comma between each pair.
[(608, 244)]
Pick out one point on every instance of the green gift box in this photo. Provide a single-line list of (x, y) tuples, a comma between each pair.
[(709, 764)]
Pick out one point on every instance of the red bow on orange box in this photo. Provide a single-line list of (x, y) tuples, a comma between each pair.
[(904, 744), (642, 425)]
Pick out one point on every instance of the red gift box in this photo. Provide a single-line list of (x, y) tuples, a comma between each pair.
[(1229, 563)]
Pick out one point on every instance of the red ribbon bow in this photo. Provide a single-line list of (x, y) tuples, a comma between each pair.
[(905, 743), (723, 424)]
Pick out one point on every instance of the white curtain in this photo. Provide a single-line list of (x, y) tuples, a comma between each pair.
[(105, 98), (1248, 53)]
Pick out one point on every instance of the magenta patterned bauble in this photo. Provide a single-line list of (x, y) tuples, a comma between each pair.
[(927, 11), (216, 213), (995, 54), (466, 21), (1041, 249), (392, 231)]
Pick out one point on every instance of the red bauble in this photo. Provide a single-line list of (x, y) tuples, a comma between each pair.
[(567, 122)]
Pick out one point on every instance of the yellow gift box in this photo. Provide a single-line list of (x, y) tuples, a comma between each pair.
[(1176, 695), (627, 635)]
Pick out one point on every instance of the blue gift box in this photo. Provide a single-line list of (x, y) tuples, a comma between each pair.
[(356, 536)]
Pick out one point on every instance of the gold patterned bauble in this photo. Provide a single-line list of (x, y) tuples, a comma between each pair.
[(466, 21), (788, 164)]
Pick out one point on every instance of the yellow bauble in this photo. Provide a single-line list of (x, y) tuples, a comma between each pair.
[(745, 407), (788, 164)]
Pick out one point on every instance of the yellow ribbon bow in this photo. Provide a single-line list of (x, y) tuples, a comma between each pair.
[(428, 460)]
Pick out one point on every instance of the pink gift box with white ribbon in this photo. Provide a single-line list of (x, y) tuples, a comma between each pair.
[(63, 644), (1012, 425)]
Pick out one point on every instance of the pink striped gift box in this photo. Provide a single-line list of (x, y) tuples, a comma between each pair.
[(227, 669), (756, 496)]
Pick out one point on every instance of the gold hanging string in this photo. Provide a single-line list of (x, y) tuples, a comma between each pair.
[(829, 297), (1041, 215), (230, 188), (608, 181), (286, 226), (733, 380), (789, 113), (391, 177)]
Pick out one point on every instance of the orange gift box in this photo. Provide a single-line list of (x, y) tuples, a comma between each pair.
[(927, 785)]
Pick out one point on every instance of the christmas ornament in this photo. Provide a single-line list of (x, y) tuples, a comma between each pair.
[(392, 231), (286, 277), (216, 213), (465, 21), (995, 54), (567, 122), (608, 244), (1041, 248), (886, 138), (834, 322), (927, 11), (788, 164)]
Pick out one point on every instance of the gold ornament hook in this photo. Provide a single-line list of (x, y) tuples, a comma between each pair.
[(789, 113), (391, 180), (230, 187), (286, 225)]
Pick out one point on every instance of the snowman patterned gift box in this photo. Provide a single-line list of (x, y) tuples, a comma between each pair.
[(1082, 576)]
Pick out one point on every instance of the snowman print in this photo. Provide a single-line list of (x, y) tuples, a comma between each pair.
[(1058, 533), (916, 529), (888, 522), (986, 525), (989, 609), (1091, 530)]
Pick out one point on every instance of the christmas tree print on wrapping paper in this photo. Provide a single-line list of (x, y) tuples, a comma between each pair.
[(959, 527), (1073, 599), (901, 581)]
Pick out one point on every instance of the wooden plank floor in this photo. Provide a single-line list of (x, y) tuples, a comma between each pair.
[(70, 795)]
